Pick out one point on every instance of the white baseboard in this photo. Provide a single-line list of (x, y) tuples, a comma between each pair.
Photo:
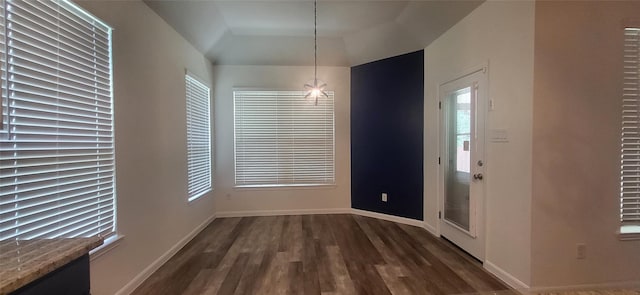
[(154, 266), (431, 229), (397, 219), (282, 212), (506, 277), (613, 285), (403, 220)]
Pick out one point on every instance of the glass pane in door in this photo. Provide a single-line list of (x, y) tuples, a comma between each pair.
[(458, 176)]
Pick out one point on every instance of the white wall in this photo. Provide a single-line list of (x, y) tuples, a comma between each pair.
[(150, 134), (576, 144), (500, 33), (230, 200)]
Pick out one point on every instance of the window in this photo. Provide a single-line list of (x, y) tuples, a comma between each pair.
[(461, 117), (283, 139), (198, 138), (57, 170), (630, 161)]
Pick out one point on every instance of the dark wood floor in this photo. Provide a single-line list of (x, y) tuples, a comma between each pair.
[(314, 254)]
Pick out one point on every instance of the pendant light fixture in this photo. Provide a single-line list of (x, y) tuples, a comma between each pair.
[(316, 89)]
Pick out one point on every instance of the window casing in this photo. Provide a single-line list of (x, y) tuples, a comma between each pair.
[(630, 146), (57, 166), (199, 160), (283, 139)]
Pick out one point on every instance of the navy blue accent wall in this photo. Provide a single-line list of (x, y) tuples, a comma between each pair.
[(387, 115)]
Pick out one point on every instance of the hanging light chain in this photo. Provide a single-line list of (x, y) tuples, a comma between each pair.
[(315, 42), (315, 89)]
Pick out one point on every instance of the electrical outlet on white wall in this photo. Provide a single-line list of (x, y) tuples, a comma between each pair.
[(581, 251), (384, 197)]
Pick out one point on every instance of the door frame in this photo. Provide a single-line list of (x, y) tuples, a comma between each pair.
[(480, 230)]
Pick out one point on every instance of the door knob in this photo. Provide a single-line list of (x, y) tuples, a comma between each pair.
[(477, 176)]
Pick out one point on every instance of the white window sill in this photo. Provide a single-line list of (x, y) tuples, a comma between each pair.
[(629, 233), (285, 187), (108, 245), (198, 196)]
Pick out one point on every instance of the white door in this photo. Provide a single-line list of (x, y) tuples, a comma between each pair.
[(462, 175)]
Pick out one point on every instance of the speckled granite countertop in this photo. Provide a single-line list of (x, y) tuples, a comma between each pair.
[(22, 262)]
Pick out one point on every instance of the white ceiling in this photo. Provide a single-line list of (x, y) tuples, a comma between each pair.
[(350, 32)]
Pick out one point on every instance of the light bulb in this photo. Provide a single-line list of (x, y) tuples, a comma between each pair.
[(315, 92)]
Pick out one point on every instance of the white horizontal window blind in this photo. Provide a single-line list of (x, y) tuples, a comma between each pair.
[(281, 138), (199, 159), (57, 148), (3, 73), (630, 162)]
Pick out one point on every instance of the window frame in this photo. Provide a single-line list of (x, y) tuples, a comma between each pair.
[(75, 17), (285, 186), (629, 227), (196, 195)]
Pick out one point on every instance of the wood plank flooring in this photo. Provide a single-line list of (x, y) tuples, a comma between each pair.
[(318, 254), (595, 292)]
